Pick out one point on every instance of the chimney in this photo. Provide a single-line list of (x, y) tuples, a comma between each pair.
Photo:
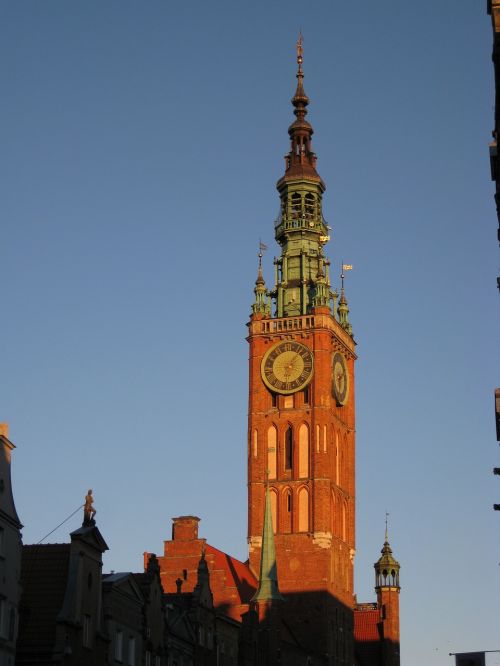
[(185, 528)]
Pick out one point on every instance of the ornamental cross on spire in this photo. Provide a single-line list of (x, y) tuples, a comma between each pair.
[(299, 52)]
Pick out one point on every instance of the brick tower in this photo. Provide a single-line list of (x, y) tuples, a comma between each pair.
[(301, 419), (388, 589)]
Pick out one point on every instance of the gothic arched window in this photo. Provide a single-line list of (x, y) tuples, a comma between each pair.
[(289, 448), (287, 510), (303, 451), (303, 510), (273, 496), (272, 437)]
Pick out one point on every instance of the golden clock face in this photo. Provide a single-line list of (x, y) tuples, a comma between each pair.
[(287, 367), (340, 379)]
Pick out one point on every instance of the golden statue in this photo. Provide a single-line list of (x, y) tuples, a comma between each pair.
[(88, 509)]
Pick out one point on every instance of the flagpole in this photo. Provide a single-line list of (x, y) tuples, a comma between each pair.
[(453, 654)]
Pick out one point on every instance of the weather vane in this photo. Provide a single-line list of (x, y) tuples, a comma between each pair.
[(345, 267), (262, 248)]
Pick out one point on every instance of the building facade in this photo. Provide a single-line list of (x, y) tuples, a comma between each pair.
[(10, 555), (61, 617)]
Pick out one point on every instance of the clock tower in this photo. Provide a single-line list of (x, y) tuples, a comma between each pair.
[(301, 421)]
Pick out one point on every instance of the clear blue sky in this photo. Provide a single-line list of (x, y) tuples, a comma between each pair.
[(141, 144)]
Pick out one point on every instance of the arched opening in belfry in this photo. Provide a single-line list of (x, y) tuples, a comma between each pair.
[(309, 206)]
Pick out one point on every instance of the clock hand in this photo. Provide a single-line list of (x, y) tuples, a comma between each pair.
[(294, 361)]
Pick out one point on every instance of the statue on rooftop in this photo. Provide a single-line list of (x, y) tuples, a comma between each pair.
[(88, 510)]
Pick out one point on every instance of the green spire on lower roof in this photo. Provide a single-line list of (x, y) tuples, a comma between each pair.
[(268, 589)]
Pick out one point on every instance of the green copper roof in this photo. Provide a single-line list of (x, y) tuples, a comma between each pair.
[(268, 589), (262, 304), (386, 567), (302, 270), (343, 312)]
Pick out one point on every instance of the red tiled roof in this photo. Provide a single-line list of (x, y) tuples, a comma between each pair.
[(367, 638), (44, 573), (366, 625), (238, 574)]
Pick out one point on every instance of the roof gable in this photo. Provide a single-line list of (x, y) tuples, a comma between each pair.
[(237, 574), (90, 536), (124, 584)]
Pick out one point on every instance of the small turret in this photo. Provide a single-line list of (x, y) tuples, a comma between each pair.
[(386, 567), (343, 308), (343, 313), (261, 305), (387, 589)]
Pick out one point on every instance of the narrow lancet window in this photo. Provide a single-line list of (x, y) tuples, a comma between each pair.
[(303, 451), (272, 437), (287, 511), (289, 448), (274, 503), (303, 510)]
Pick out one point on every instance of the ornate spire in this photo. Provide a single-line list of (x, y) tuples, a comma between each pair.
[(300, 99), (301, 283), (300, 161), (268, 589), (261, 304), (387, 567), (343, 308)]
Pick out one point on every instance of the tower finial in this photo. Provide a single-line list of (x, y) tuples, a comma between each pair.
[(300, 99), (386, 530), (299, 51), (301, 161)]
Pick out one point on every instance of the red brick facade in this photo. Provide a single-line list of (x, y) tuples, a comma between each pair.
[(315, 559), (231, 582), (301, 444)]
